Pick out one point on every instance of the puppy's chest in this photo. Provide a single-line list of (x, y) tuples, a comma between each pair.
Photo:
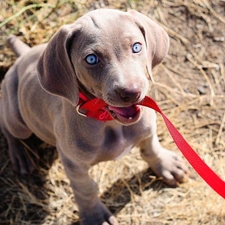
[(120, 140)]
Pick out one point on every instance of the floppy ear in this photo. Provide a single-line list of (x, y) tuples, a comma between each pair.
[(156, 38), (55, 70)]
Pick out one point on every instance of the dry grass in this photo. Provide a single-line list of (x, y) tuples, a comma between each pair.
[(190, 87)]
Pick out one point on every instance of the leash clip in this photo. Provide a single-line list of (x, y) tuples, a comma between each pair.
[(80, 113)]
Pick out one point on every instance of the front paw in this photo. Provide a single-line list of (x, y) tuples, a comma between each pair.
[(97, 215), (170, 167)]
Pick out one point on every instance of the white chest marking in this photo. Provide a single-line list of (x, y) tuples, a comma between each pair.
[(125, 151)]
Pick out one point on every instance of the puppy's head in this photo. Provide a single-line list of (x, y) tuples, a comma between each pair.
[(107, 54)]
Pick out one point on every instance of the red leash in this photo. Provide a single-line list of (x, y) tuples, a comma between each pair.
[(95, 109), (210, 177)]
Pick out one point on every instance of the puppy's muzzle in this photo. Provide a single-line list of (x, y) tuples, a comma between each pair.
[(129, 96)]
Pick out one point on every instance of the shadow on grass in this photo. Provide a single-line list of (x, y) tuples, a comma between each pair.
[(24, 199), (119, 194), (122, 190)]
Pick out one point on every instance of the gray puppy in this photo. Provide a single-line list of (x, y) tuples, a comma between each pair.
[(107, 54)]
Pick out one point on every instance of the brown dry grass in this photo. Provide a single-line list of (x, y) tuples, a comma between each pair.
[(190, 88)]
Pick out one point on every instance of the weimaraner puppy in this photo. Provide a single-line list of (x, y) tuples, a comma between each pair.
[(106, 54)]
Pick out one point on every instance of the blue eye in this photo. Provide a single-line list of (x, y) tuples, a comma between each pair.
[(136, 48), (91, 59)]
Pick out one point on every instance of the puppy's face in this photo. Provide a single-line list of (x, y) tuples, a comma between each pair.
[(107, 54), (110, 61)]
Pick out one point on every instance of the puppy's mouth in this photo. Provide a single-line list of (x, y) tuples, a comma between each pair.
[(125, 115)]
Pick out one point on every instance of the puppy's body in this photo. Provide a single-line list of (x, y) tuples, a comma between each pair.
[(35, 105), (40, 93)]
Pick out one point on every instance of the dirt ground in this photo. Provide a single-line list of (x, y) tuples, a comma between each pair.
[(189, 87)]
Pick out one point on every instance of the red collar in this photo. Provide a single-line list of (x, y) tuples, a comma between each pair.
[(95, 108)]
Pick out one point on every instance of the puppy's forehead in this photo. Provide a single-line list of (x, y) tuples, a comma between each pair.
[(101, 16), (106, 32), (108, 21)]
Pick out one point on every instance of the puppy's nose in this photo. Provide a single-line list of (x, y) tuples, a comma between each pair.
[(129, 95)]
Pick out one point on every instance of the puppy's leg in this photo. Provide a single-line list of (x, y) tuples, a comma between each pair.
[(19, 155), (12, 124), (164, 163), (92, 210)]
